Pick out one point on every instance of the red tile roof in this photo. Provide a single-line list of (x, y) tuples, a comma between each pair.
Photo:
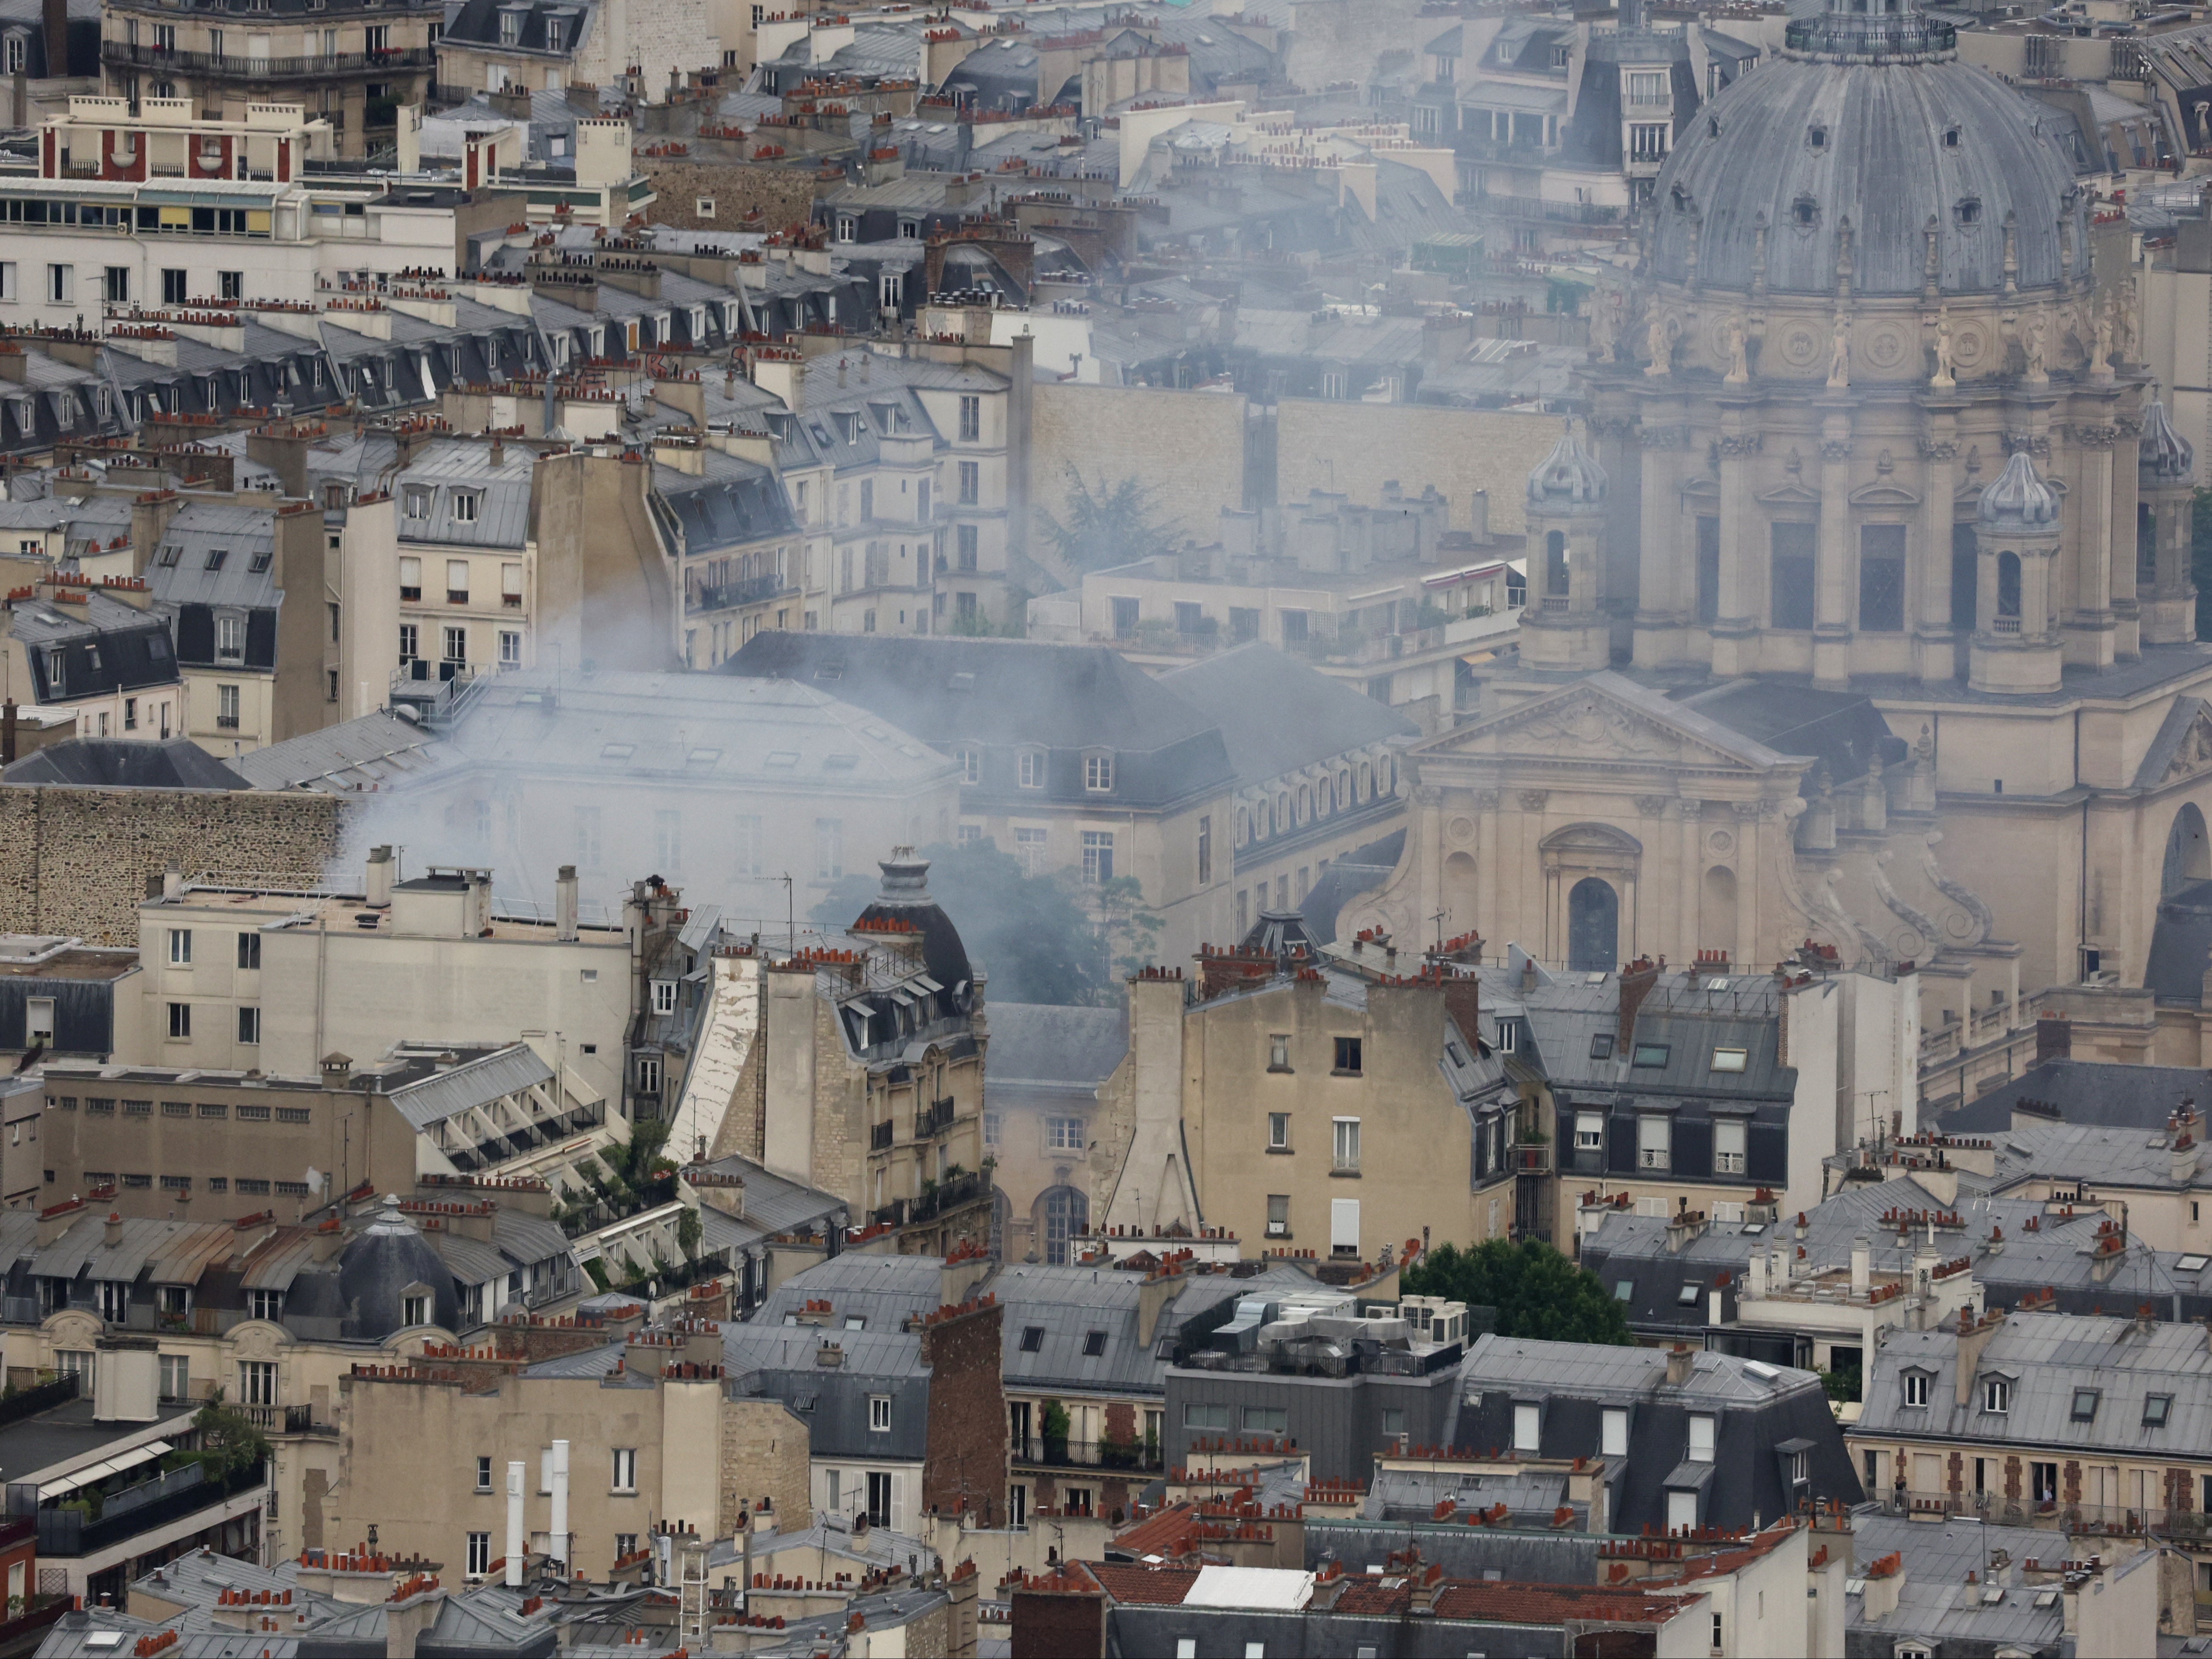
[(1554, 1604), (1163, 1587), (1166, 1533)]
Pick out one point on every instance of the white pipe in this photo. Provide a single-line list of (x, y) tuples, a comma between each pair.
[(517, 1541), (556, 1543)]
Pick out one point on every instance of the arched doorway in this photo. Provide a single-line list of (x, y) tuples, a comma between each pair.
[(1717, 915), (2188, 855), (1063, 1213), (1593, 926)]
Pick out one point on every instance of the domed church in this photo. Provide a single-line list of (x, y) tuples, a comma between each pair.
[(1859, 610)]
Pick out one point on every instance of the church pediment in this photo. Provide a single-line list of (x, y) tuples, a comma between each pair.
[(1792, 494), (1606, 719), (1884, 494), (1704, 489), (2182, 747)]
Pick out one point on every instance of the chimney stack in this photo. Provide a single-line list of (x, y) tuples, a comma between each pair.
[(564, 903), (556, 1536), (517, 1540), (1636, 983), (1862, 1266), (1679, 1360), (379, 878), (173, 883)]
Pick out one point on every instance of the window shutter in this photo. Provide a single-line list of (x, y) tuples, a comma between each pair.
[(261, 639), (1344, 1222), (1620, 1143), (195, 634), (1693, 1146), (1767, 1155)]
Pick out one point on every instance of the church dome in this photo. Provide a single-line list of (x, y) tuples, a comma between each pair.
[(2019, 499), (1569, 477), (2165, 453), (1869, 121)]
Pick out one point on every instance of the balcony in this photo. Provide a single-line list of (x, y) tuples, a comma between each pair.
[(933, 1120), (1056, 1452), (287, 1419), (946, 1196), (225, 722), (728, 595), (1542, 209), (1530, 1158), (124, 55), (880, 1138), (140, 1509), (2004, 624)]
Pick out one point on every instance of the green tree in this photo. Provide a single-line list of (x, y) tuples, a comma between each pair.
[(1537, 1292), (229, 1441), (624, 1178), (1112, 525), (1033, 934), (1131, 929)]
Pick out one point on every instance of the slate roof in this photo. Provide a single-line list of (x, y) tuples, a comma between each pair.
[(2048, 1357), (2084, 1091), (1040, 1046), (116, 763), (1844, 730), (369, 752), (1277, 714), (1012, 693)]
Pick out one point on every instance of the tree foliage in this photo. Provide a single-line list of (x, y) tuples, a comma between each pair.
[(1537, 1292), (1112, 525), (1042, 939), (624, 1179)]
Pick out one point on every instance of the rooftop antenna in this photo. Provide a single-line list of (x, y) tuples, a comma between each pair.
[(1439, 920), (790, 916)]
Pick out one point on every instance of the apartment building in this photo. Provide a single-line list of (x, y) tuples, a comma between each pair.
[(98, 651), (1040, 1100), (175, 1142), (606, 1444), (467, 559), (355, 65), (1068, 756), (868, 1075), (1266, 1094), (2072, 1422), (1317, 773), (246, 975), (58, 997)]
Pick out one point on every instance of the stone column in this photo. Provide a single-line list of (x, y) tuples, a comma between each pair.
[(1735, 631), (1833, 564), (2090, 627), (2127, 597), (1666, 580), (1690, 851), (1750, 876), (1934, 650)]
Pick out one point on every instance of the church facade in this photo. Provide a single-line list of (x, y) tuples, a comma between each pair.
[(1860, 612)]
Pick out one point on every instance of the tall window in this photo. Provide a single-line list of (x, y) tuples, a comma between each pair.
[(2008, 587), (1708, 569), (1205, 850), (257, 1381), (1347, 1142), (1790, 600), (1097, 855), (1029, 769), (1655, 1142), (668, 839), (829, 848), (479, 1554), (181, 947), (1727, 1146), (1882, 577), (745, 833), (1098, 773), (587, 837), (971, 483), (1030, 848), (625, 1468), (879, 1497), (971, 420)]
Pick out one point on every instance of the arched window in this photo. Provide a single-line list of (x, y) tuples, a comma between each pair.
[(1065, 1213), (1243, 826), (1555, 562), (1593, 926), (2008, 584)]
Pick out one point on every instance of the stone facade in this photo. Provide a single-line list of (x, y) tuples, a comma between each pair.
[(79, 860), (764, 1463), (781, 196), (1356, 448), (1190, 449)]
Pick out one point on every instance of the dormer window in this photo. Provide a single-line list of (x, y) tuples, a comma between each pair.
[(465, 503), (553, 35), (418, 502), (510, 28), (1816, 138), (1029, 769), (1969, 211), (1916, 1389), (1805, 212), (1996, 1395), (663, 996), (1950, 139), (1098, 773)]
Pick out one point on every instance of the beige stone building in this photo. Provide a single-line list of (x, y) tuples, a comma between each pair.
[(865, 1080), (649, 1431), (1041, 1108), (1895, 507), (261, 975)]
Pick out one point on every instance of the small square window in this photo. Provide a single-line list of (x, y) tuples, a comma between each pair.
[(2157, 1408), (1601, 1046), (1651, 1053), (1348, 1055), (1094, 1344), (1729, 1060), (1279, 1132), (1032, 1338), (879, 1414), (1687, 1296), (2085, 1404)]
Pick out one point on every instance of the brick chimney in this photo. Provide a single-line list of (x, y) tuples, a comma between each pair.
[(1679, 1357), (2054, 1038), (1636, 983), (1464, 1002)]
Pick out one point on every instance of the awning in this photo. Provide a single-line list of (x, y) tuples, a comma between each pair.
[(101, 1471), (1472, 572)]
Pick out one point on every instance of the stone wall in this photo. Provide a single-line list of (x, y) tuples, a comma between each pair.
[(1356, 448), (79, 860), (1189, 445), (765, 1449), (784, 195)]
